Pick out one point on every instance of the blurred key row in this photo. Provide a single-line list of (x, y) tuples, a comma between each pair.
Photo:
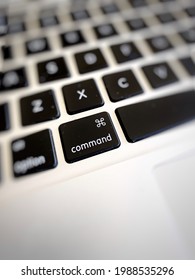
[(49, 18), (75, 37), (86, 61)]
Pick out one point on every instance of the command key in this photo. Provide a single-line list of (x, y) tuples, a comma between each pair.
[(88, 136)]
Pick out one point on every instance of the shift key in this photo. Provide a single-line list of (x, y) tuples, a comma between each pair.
[(88, 136)]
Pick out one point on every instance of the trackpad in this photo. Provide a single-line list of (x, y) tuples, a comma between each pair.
[(177, 184)]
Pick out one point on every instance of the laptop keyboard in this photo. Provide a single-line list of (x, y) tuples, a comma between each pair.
[(70, 73)]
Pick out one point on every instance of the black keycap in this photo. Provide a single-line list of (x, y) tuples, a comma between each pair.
[(51, 70), (159, 43), (104, 31), (166, 17), (16, 27), (33, 153), (136, 24), (147, 118), (13, 79), (37, 45), (110, 8), (188, 35), (82, 96), (4, 117), (159, 74), (189, 65), (72, 38), (80, 15), (166, 1), (125, 52), (138, 3), (7, 52), (3, 24), (39, 107), (190, 11), (88, 136), (122, 85), (90, 61), (48, 21)]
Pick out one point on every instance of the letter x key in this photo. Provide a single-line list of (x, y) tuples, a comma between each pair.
[(82, 96)]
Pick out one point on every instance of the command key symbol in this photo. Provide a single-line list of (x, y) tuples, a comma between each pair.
[(100, 122)]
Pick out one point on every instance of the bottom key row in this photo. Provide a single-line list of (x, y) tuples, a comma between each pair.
[(82, 138), (96, 134)]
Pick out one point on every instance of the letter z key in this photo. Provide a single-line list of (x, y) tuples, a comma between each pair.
[(88, 136)]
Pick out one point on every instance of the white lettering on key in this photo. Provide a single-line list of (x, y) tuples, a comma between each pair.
[(92, 143), (52, 68), (22, 166), (10, 79), (105, 30), (161, 72), (90, 58), (18, 146), (125, 49), (81, 94), (37, 45), (100, 122), (122, 82), (160, 43), (37, 106), (72, 37)]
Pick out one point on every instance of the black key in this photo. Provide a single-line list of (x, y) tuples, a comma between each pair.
[(122, 85), (80, 15), (16, 27), (166, 1), (189, 65), (189, 35), (72, 38), (38, 45), (13, 79), (88, 136), (51, 70), (48, 21), (110, 8), (138, 3), (136, 24), (90, 61), (82, 96), (190, 11), (4, 117), (166, 17), (33, 153), (3, 24), (159, 43), (125, 52), (159, 74), (104, 31), (39, 107), (147, 118), (7, 52)]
